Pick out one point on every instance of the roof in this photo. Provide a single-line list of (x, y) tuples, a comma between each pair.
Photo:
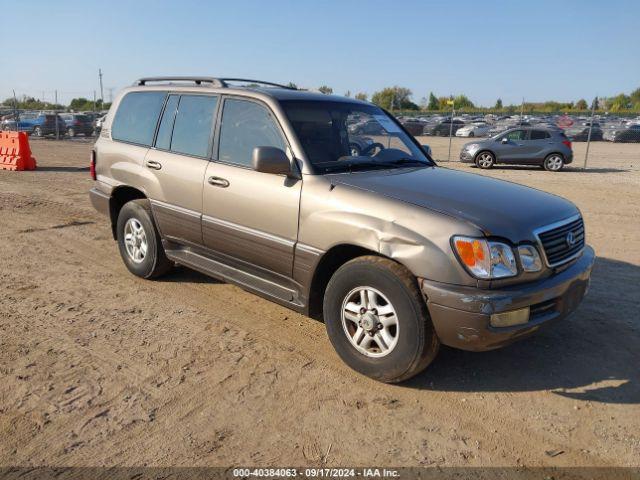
[(270, 89)]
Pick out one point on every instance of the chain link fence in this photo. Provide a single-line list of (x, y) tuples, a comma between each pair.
[(447, 132)]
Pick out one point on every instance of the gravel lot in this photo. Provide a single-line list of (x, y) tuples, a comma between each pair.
[(98, 367)]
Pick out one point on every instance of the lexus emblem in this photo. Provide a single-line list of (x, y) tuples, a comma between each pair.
[(570, 239)]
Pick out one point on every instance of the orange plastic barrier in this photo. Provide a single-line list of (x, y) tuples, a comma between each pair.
[(15, 153)]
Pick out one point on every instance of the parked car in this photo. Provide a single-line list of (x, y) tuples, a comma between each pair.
[(396, 254), (78, 124), (475, 129), (367, 128), (38, 125), (444, 128), (413, 126), (630, 134), (581, 134), (521, 146)]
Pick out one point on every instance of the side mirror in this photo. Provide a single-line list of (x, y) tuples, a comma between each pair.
[(504, 140), (427, 149), (270, 160)]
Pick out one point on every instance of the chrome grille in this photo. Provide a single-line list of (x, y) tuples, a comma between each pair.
[(556, 240)]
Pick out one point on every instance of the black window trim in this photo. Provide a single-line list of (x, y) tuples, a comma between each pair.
[(213, 123), (136, 144), (214, 157)]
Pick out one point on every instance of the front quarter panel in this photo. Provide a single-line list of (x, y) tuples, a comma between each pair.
[(335, 214)]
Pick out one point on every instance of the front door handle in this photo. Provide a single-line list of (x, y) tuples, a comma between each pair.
[(218, 182), (154, 165)]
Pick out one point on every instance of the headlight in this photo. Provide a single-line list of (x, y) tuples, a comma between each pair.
[(472, 146), (529, 258), (485, 259)]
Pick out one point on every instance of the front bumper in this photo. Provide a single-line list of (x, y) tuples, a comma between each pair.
[(461, 315), (466, 156)]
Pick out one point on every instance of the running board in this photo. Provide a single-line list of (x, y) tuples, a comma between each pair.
[(283, 295)]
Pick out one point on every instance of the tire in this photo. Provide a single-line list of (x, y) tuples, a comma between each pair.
[(71, 132), (354, 150), (149, 262), (471, 134), (411, 342), (485, 160), (37, 132), (553, 162)]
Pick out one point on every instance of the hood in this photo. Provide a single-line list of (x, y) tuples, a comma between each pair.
[(497, 207)]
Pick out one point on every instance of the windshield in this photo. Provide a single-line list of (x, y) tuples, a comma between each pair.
[(342, 136)]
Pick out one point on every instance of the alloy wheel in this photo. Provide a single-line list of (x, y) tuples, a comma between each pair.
[(370, 322), (135, 240)]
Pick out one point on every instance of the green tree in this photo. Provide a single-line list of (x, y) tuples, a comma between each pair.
[(635, 99), (292, 85), (498, 105), (582, 104), (361, 96), (394, 98), (433, 102), (462, 101), (620, 102), (326, 90)]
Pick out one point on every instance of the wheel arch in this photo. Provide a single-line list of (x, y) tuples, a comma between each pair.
[(119, 197)]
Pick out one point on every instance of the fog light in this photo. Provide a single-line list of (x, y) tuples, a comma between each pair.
[(509, 319)]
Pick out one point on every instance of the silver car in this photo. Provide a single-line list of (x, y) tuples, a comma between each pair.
[(549, 148)]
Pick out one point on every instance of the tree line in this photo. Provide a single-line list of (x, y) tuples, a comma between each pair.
[(77, 104), (400, 98)]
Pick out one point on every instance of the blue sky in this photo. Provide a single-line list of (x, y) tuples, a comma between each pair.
[(562, 50)]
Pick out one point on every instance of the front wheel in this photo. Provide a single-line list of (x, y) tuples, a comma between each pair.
[(485, 160), (553, 163), (37, 132), (139, 241), (377, 319)]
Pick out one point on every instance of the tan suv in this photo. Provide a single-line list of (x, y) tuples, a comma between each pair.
[(271, 188)]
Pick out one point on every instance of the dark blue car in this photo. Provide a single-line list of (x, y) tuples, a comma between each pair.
[(38, 125)]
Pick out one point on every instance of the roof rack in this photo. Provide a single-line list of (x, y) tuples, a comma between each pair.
[(215, 82), (197, 80)]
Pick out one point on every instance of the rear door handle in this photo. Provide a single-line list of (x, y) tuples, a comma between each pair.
[(154, 165), (218, 182)]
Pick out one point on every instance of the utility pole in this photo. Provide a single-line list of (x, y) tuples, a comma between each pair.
[(593, 111), (521, 111), (16, 115), (453, 112), (101, 89)]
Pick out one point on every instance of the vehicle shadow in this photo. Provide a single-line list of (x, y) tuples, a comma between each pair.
[(592, 355), (182, 274), (62, 169)]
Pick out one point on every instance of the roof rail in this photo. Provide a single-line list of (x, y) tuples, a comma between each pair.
[(197, 80), (259, 82), (215, 82)]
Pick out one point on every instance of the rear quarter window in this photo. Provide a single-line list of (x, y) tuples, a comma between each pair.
[(137, 116)]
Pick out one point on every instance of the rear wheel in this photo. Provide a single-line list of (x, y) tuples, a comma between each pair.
[(139, 241), (553, 163), (377, 319), (71, 132), (485, 160), (37, 132)]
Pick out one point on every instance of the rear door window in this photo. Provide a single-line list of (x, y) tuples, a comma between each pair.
[(137, 117), (539, 135), (192, 130)]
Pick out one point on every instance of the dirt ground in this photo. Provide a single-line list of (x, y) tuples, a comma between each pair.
[(98, 367)]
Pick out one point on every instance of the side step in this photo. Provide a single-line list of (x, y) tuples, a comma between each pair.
[(204, 264)]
